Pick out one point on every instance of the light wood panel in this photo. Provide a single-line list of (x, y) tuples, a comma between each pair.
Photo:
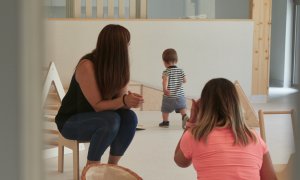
[(99, 8), (121, 9), (143, 9), (249, 111), (111, 9), (88, 8), (77, 8), (261, 15), (132, 9)]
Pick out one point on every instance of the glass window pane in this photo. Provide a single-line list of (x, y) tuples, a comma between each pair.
[(55, 8), (159, 9)]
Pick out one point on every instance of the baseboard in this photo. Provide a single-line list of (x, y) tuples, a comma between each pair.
[(258, 98), (53, 152)]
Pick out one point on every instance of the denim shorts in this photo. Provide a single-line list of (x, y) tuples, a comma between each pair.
[(171, 104)]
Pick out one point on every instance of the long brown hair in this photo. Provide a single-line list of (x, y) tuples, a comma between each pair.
[(111, 60), (220, 106)]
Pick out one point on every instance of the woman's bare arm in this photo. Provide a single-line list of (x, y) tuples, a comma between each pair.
[(85, 76), (179, 157), (267, 171)]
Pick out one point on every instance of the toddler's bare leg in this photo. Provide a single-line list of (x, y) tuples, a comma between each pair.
[(165, 116)]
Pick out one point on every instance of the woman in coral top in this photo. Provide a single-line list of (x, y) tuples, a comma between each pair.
[(218, 141)]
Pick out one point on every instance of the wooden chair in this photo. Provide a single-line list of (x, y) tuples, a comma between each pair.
[(261, 114), (52, 78), (283, 171)]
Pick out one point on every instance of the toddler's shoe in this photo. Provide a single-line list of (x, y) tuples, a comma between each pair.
[(164, 124)]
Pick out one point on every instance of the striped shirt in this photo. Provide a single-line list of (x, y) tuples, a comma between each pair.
[(175, 79)]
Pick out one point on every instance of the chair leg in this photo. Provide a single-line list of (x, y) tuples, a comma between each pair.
[(76, 162), (60, 158)]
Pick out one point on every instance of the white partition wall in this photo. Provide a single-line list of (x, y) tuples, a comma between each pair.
[(206, 49)]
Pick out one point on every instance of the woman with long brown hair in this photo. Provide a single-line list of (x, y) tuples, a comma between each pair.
[(218, 141), (97, 105)]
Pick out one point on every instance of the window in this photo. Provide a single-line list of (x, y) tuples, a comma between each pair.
[(150, 9)]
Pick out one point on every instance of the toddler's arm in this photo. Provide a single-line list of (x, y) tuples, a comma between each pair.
[(184, 79), (165, 85)]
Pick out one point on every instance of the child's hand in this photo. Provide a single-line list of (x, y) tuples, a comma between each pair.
[(194, 110), (166, 92)]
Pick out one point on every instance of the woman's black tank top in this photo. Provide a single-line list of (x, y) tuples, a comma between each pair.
[(74, 102)]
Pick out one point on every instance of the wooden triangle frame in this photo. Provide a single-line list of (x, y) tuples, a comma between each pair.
[(53, 78), (249, 112)]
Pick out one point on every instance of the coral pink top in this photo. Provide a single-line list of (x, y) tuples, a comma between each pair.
[(219, 159)]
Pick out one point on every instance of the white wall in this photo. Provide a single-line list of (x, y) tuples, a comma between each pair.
[(206, 49)]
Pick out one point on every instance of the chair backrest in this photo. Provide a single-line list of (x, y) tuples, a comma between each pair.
[(262, 114), (277, 130), (109, 172)]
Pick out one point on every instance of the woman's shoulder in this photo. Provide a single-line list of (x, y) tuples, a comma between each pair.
[(85, 64), (85, 68), (89, 56), (187, 135)]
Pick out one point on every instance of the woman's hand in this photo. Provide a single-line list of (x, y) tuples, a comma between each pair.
[(194, 110), (133, 100)]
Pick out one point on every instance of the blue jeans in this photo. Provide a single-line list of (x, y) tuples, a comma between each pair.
[(103, 129)]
